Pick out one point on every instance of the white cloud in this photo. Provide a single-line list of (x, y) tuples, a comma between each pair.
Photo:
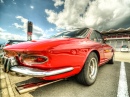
[(100, 14), (37, 31), (69, 17), (58, 3), (32, 7), (1, 1), (17, 25), (24, 22), (4, 36), (8, 36), (2, 30), (50, 30)]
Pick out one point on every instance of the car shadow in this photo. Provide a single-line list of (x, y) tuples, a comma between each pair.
[(44, 89)]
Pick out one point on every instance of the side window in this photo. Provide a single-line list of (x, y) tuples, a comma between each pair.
[(99, 37), (93, 36), (15, 42)]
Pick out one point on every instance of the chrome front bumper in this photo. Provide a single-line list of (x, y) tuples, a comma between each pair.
[(10, 64), (37, 72)]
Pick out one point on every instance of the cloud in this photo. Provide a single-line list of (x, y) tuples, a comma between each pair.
[(58, 2), (69, 17), (2, 30), (50, 30), (24, 22), (1, 1), (8, 36), (17, 25), (32, 7), (37, 31), (5, 36), (100, 14)]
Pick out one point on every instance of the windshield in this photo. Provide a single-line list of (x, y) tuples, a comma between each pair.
[(124, 46), (80, 33)]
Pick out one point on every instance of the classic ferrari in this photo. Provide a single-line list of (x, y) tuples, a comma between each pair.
[(76, 53)]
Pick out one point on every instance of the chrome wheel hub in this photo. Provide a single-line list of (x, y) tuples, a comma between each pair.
[(92, 70)]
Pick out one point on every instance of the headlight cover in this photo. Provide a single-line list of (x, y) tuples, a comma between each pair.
[(33, 59)]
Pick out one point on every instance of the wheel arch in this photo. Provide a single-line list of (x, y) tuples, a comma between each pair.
[(98, 55), (95, 51), (84, 78)]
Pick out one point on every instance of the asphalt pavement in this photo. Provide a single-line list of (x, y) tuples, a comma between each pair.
[(128, 76), (106, 85)]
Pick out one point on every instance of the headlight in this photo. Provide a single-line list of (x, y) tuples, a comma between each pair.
[(33, 59)]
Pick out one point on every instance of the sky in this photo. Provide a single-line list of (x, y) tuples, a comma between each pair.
[(52, 16)]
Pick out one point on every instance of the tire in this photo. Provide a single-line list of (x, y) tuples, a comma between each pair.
[(88, 74), (111, 61)]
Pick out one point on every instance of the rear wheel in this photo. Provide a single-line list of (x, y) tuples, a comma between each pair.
[(88, 74)]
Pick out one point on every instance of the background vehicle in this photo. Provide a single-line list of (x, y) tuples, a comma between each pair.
[(124, 48), (11, 42), (72, 53)]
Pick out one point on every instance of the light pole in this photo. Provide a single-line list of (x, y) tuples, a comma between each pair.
[(29, 31)]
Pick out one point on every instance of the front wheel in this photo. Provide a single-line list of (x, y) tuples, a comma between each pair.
[(88, 74)]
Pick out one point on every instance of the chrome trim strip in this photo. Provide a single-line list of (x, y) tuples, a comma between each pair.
[(37, 72)]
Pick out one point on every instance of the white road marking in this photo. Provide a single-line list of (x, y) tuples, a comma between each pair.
[(122, 86)]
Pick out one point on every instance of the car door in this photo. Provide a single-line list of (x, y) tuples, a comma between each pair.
[(107, 50), (98, 45)]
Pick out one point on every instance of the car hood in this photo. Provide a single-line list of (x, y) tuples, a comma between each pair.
[(41, 44)]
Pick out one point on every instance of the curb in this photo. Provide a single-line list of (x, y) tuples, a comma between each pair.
[(5, 85), (10, 90)]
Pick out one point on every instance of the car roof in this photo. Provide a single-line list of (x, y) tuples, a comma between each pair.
[(88, 28)]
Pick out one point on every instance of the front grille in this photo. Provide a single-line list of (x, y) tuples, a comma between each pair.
[(8, 62)]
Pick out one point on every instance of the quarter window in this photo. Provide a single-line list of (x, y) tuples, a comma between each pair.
[(99, 37), (96, 36), (93, 37)]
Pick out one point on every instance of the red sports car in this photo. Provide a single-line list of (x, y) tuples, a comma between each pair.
[(72, 53)]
